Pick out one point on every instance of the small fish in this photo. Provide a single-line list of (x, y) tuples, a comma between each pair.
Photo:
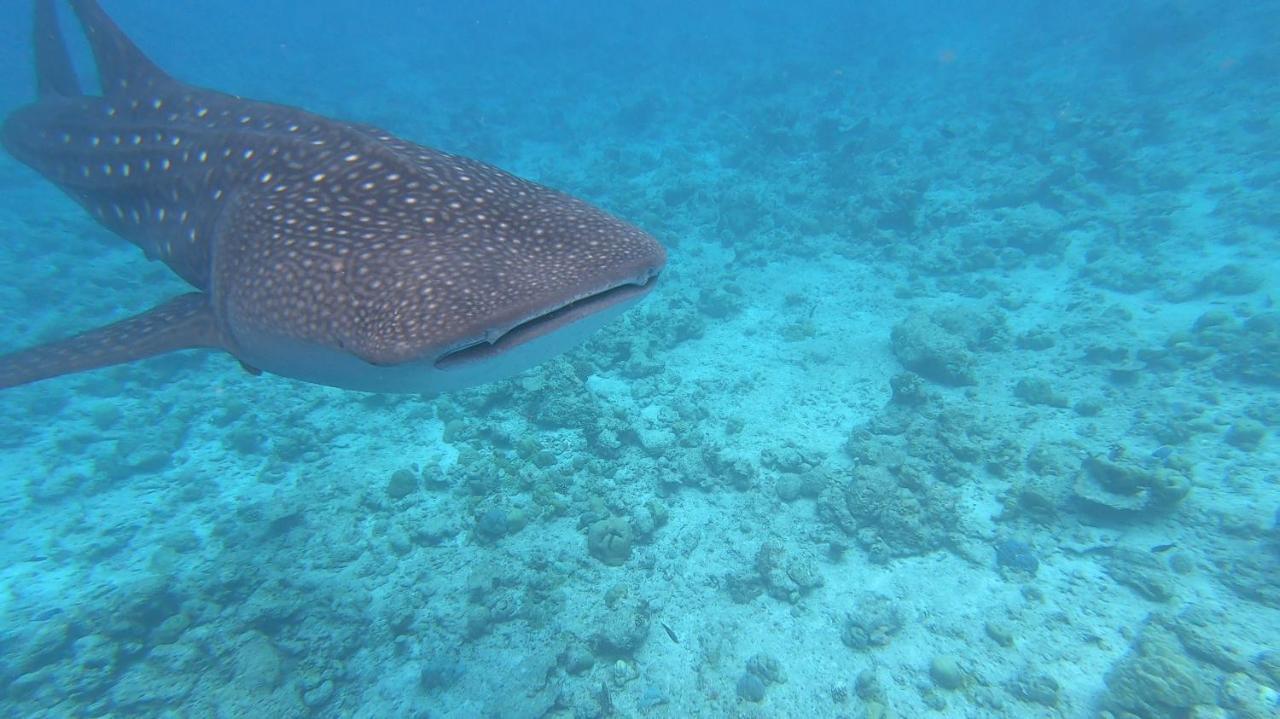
[(670, 633), (1162, 452), (1161, 548)]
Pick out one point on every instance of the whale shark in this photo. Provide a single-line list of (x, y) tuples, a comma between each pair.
[(317, 249)]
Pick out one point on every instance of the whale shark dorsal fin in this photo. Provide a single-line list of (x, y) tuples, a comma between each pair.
[(55, 75), (121, 65), (185, 322)]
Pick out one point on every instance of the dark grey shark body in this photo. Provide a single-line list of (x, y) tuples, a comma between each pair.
[(321, 250)]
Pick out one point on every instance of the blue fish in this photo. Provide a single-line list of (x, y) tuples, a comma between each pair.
[(318, 249)]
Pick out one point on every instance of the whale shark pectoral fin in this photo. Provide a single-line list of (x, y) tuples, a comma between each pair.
[(184, 322)]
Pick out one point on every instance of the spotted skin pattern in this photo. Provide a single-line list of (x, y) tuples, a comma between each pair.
[(309, 235)]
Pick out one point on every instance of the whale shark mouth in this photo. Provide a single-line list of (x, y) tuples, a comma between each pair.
[(545, 324)]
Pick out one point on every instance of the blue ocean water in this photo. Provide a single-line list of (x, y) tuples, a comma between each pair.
[(958, 396)]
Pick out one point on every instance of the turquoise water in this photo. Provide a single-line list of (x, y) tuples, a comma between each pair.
[(958, 397)]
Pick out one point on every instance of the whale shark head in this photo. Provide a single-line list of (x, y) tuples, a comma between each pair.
[(456, 274)]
